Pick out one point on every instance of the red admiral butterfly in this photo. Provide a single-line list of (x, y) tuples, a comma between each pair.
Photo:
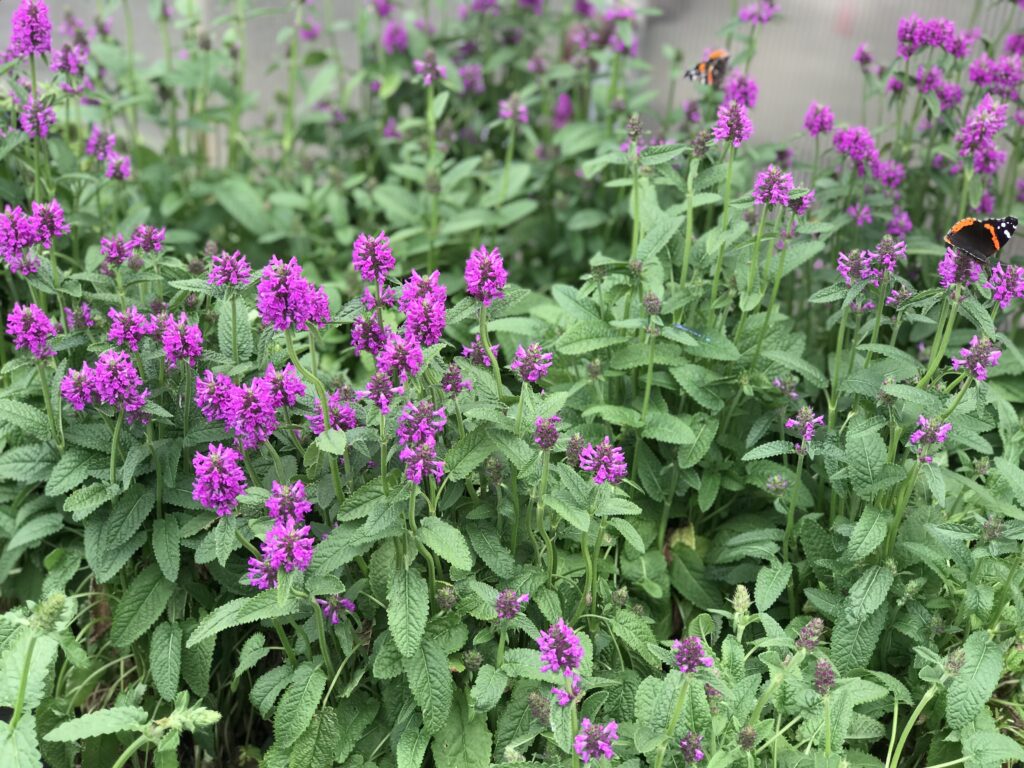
[(981, 239), (712, 69)]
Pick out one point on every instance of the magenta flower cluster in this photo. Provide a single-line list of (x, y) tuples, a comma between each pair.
[(32, 329), (595, 740), (927, 434), (914, 33), (510, 603), (219, 479), (819, 119), (419, 426), (114, 381), (977, 358), (733, 125), (606, 461), (30, 29), (287, 300), (561, 652), (976, 139), (689, 654), (21, 232), (485, 275), (1006, 282), (806, 423), (229, 269), (288, 545), (531, 363), (773, 186)]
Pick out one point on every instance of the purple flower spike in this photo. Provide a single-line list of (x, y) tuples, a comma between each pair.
[(420, 461), (31, 329), (976, 359), (220, 479), (958, 267), (485, 275), (689, 654), (733, 124), (182, 341), (773, 186), (608, 462), (288, 501), (510, 603), (689, 745), (372, 257), (806, 422), (1006, 283), (229, 269), (595, 740), (214, 393), (819, 119), (560, 649), (30, 29), (531, 363), (340, 413)]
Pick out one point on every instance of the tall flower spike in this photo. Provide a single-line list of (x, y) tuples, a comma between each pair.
[(485, 275), (976, 359), (30, 29), (287, 300), (31, 328), (560, 649), (229, 269), (219, 480), (733, 124), (689, 654), (606, 461), (595, 740), (372, 257)]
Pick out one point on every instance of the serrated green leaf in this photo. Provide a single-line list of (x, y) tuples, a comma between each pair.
[(333, 441), (407, 610), (316, 747), (854, 640), (488, 688), (89, 498), (426, 669), (974, 684), (467, 454), (99, 723), (127, 514), (35, 530), (296, 708), (489, 548), (771, 582), (635, 632), (447, 541), (25, 417), (242, 610), (165, 659), (464, 741), (869, 591), (73, 468), (670, 429), (140, 606), (868, 533), (167, 546), (769, 450)]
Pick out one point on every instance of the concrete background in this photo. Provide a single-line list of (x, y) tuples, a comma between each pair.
[(803, 55)]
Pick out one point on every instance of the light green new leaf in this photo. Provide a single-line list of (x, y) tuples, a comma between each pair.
[(242, 610), (167, 546), (867, 534), (100, 723), (488, 688), (869, 591), (72, 469), (463, 742)]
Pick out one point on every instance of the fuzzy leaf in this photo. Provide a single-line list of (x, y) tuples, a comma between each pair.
[(974, 683), (140, 607), (167, 546), (317, 745), (869, 591), (447, 541), (769, 450), (854, 640), (430, 682), (100, 723), (488, 688), (298, 705), (636, 633), (407, 610), (490, 549), (253, 651), (771, 583), (165, 659), (72, 469), (463, 742), (467, 454), (242, 610), (868, 533), (25, 417)]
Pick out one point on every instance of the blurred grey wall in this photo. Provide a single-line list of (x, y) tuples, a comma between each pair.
[(804, 54)]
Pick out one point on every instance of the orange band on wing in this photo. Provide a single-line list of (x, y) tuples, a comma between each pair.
[(995, 237), (718, 53), (961, 224)]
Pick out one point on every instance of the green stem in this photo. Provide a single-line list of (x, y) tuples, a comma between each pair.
[(833, 399), (486, 341), (542, 523), (901, 505), (788, 535), (129, 751), (634, 154), (499, 658), (510, 151), (771, 307), (234, 329), (754, 268), (941, 341), (691, 178), (322, 636), (911, 722), (115, 445), (55, 425), (19, 703), (726, 202)]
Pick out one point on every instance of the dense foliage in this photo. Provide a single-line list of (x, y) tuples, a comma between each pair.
[(618, 437)]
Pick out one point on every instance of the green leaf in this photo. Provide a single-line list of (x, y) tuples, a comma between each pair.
[(36, 529), (89, 498), (635, 632), (167, 546), (991, 749), (467, 454), (296, 708), (426, 669), (20, 748), (242, 610), (488, 688), (25, 417), (629, 533), (866, 457), (243, 203), (615, 414), (704, 427), (407, 610), (974, 684), (868, 533), (165, 659), (568, 510), (488, 546), (27, 463), (769, 450), (854, 640), (333, 441), (243, 330), (72, 469), (140, 607), (869, 591), (316, 747), (668, 428), (37, 675), (100, 723), (771, 582), (127, 514), (585, 337), (268, 687), (253, 651), (464, 742), (447, 541)]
